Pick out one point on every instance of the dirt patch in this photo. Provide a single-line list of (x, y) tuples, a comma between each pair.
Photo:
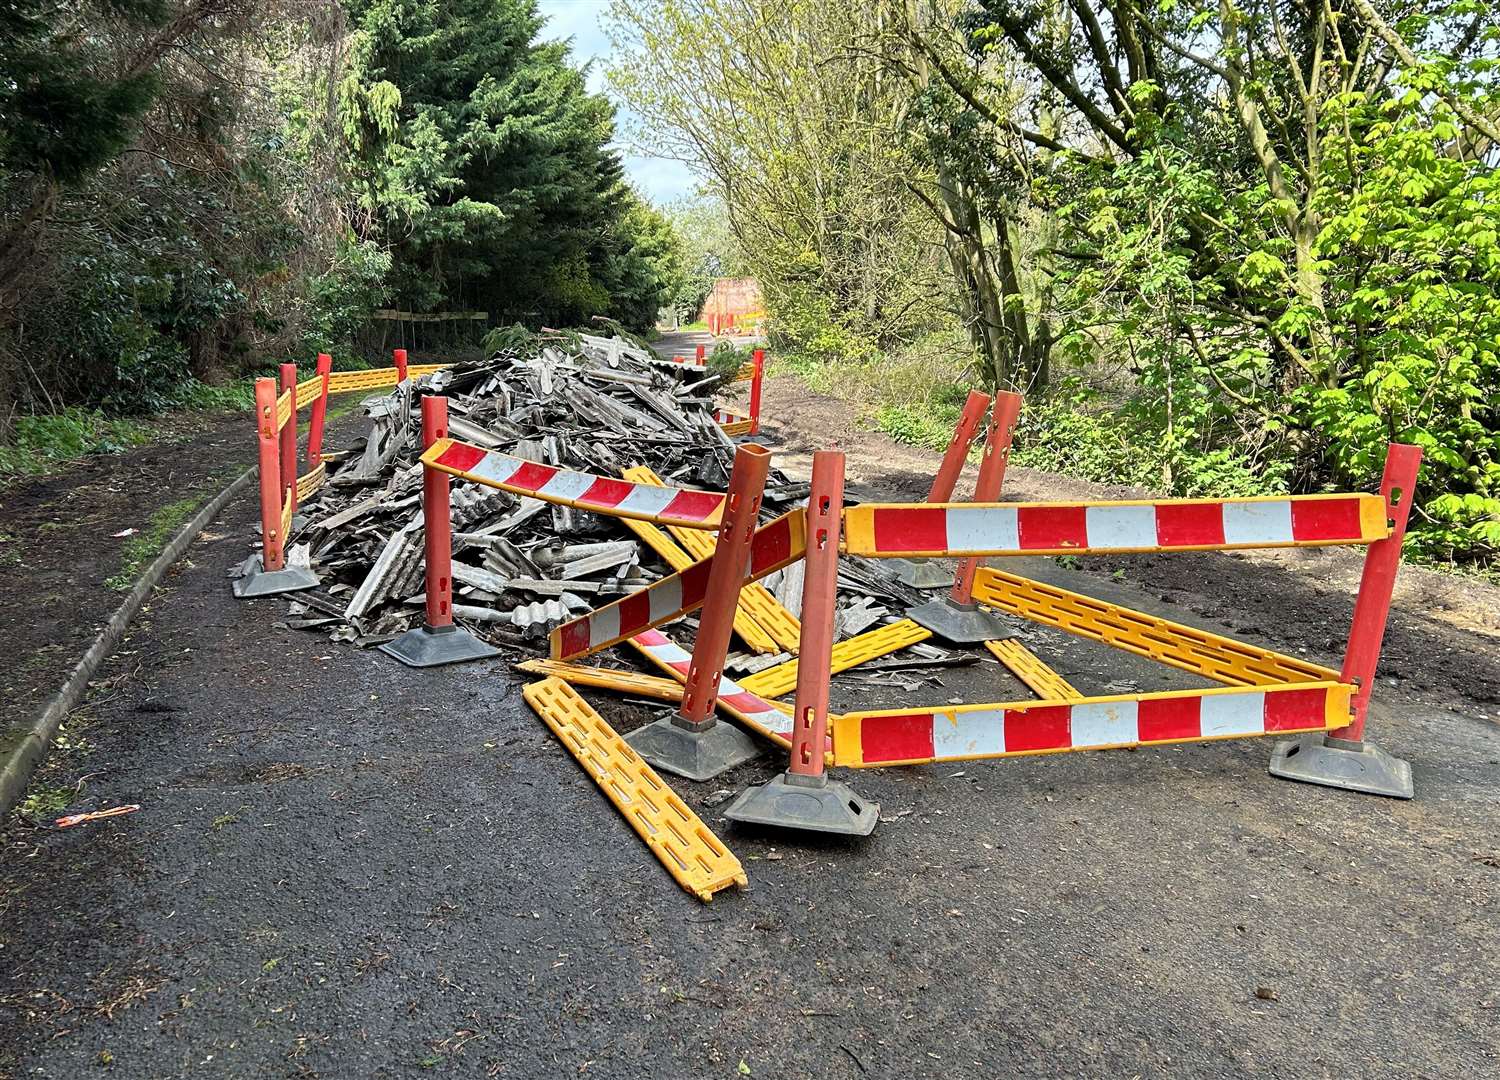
[(66, 566)]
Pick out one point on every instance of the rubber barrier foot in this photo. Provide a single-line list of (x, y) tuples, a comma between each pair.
[(692, 751), (920, 573), (962, 624), (428, 646), (261, 582), (811, 803), (1339, 763)]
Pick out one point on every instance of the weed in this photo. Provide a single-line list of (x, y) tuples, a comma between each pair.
[(44, 802), (41, 443), (222, 820), (145, 545)]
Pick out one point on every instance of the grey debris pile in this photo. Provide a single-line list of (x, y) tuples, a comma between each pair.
[(520, 566)]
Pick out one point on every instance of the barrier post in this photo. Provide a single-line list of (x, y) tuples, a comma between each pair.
[(438, 640), (758, 360), (924, 573), (398, 357), (803, 797), (700, 355), (1342, 758), (692, 743), (956, 617), (319, 413), (289, 434), (272, 576)]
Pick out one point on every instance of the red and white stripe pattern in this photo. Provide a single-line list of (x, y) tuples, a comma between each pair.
[(740, 703), (603, 495), (962, 529), (772, 547), (989, 731)]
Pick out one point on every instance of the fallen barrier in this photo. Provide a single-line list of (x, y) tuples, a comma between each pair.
[(689, 850)]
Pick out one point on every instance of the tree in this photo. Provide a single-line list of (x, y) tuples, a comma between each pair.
[(482, 162), (801, 138), (1225, 168)]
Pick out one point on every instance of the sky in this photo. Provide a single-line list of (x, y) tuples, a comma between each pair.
[(659, 179)]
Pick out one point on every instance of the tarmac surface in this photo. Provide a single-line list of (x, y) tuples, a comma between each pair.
[(346, 868)]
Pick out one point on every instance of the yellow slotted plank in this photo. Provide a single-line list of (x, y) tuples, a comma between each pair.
[(676, 836), (782, 679), (624, 682), (1031, 670), (1221, 659), (784, 627), (312, 481), (286, 515), (283, 409), (755, 599), (308, 391)]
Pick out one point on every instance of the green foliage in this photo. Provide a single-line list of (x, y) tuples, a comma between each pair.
[(514, 338), (62, 114), (341, 299), (40, 443), (482, 161), (727, 358)]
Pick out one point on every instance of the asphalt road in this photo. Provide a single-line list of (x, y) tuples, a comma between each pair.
[(344, 868)]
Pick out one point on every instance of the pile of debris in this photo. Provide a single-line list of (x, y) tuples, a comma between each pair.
[(520, 565)]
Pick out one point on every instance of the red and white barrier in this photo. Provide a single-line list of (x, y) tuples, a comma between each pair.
[(773, 546), (983, 529), (734, 698), (967, 732), (685, 507)]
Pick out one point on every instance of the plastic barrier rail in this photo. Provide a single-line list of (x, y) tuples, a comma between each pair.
[(685, 507), (1187, 648), (690, 851), (981, 529), (773, 546), (1011, 729), (749, 708)]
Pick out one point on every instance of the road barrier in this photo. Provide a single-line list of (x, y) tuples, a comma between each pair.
[(1264, 693), (277, 402), (755, 374), (956, 616)]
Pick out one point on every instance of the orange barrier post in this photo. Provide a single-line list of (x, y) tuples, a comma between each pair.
[(692, 743), (398, 357), (269, 437), (923, 573), (289, 435), (319, 413), (758, 359), (268, 574), (958, 448), (957, 617), (700, 356), (1343, 758), (803, 797), (438, 641)]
